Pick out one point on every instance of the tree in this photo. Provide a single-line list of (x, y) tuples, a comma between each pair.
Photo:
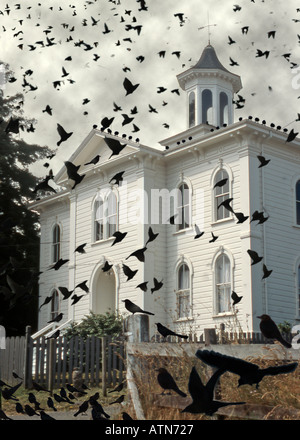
[(19, 230), (96, 325)]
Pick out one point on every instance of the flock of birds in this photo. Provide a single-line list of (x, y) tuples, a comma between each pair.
[(202, 395)]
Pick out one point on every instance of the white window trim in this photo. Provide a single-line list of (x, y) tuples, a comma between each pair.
[(105, 224), (185, 180), (212, 183), (50, 304), (184, 260), (221, 251), (294, 181), (52, 244)]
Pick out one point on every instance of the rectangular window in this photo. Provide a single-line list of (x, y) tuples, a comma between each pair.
[(223, 284)]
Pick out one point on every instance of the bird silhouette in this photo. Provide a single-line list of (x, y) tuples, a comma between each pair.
[(143, 286), (133, 308), (203, 395), (226, 204), (270, 330), (235, 298), (241, 217), (151, 235), (139, 254), (128, 272), (80, 249), (118, 388), (129, 87), (291, 136), (164, 331), (266, 272), (120, 399), (82, 286), (214, 238), (263, 161), (118, 177), (119, 236), (254, 256), (107, 266), (94, 161), (115, 146), (198, 232), (64, 136), (157, 285), (221, 183), (82, 408), (167, 382), (250, 373)]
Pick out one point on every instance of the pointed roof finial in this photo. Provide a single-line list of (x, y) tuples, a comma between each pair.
[(208, 28)]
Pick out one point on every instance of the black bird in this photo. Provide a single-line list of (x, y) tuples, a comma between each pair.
[(63, 134), (107, 266), (8, 393), (198, 232), (167, 382), (45, 416), (58, 264), (118, 388), (266, 272), (3, 416), (82, 408), (263, 161), (39, 387), (291, 136), (94, 160), (164, 331), (75, 298), (117, 178), (19, 408), (249, 372), (143, 286), (172, 219), (254, 256), (30, 411), (133, 308), (139, 254), (128, 272), (66, 293), (16, 376), (203, 395), (157, 285), (106, 122), (80, 248), (235, 298), (129, 87), (241, 217), (83, 286), (115, 146), (260, 53), (50, 404), (119, 236), (226, 204), (256, 216), (221, 183), (44, 185), (126, 416), (270, 330), (126, 119), (231, 41), (48, 109), (214, 238), (97, 410), (232, 62), (151, 235), (119, 400)]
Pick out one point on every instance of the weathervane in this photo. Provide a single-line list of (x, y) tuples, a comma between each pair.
[(208, 26)]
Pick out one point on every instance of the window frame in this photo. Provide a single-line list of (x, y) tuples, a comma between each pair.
[(184, 292), (227, 194), (55, 296), (222, 253), (107, 231), (55, 243), (182, 208)]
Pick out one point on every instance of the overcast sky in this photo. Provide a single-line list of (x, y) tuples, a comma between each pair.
[(95, 71)]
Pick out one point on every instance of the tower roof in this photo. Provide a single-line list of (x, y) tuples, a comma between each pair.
[(209, 64), (209, 60)]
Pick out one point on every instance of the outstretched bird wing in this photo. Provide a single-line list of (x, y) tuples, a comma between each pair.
[(228, 363)]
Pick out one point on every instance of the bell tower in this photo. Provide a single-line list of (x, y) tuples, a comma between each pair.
[(210, 89)]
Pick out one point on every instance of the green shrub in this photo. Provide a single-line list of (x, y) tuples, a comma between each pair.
[(96, 325)]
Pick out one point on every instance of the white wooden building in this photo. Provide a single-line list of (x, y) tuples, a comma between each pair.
[(198, 275)]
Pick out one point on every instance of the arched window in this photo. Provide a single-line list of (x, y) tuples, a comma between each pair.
[(183, 291), (207, 106), (192, 109), (223, 108), (298, 202), (112, 206), (54, 304), (98, 219), (105, 215), (183, 207), (221, 193), (55, 243), (222, 283)]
